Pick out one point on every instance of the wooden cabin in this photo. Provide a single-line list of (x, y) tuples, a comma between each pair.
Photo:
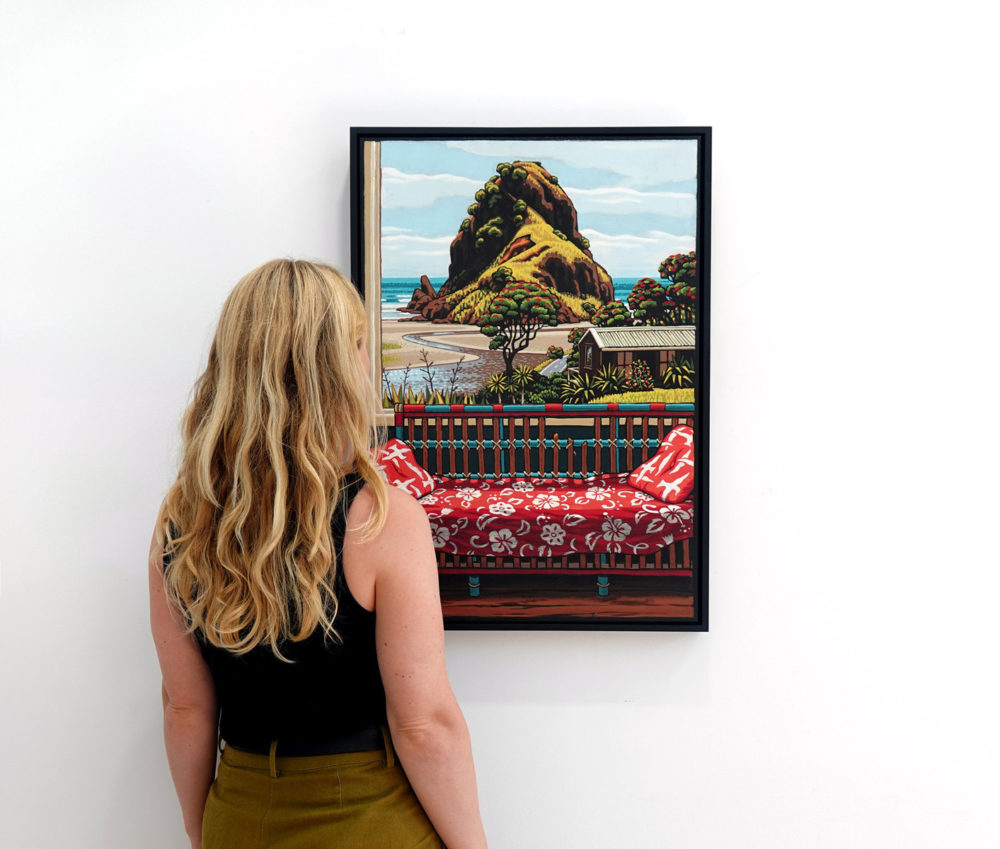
[(621, 346)]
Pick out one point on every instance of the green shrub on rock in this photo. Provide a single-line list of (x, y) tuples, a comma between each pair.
[(502, 275), (492, 229)]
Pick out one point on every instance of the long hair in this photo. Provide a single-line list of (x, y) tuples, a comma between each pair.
[(281, 414)]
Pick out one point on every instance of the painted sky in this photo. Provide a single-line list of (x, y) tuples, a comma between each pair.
[(635, 199)]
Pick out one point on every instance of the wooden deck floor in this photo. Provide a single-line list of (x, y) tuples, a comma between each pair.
[(565, 597)]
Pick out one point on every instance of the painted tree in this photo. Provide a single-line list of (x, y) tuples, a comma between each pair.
[(612, 314), (649, 302), (514, 317), (573, 355), (681, 273), (680, 268)]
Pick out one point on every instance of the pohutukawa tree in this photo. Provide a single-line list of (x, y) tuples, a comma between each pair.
[(573, 354), (612, 314), (515, 315), (681, 273), (649, 302)]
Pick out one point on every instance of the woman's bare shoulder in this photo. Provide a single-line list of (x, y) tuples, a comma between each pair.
[(403, 513), (395, 553)]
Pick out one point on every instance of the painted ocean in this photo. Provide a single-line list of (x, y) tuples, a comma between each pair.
[(397, 291)]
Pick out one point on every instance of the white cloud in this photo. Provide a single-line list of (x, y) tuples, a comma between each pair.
[(641, 162), (625, 200), (630, 255), (403, 242), (650, 237), (400, 189), (405, 255)]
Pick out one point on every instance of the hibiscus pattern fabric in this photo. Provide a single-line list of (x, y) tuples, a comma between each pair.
[(401, 469), (551, 517), (669, 474)]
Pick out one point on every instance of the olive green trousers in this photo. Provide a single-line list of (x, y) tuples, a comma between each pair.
[(357, 800)]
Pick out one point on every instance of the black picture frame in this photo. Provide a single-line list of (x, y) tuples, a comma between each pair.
[(549, 598)]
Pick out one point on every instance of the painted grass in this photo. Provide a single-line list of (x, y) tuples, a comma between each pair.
[(667, 396), (391, 346), (469, 303), (396, 396)]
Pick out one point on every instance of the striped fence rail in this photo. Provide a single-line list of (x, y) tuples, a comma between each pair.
[(535, 440)]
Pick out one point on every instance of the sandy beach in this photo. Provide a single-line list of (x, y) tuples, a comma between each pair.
[(465, 336)]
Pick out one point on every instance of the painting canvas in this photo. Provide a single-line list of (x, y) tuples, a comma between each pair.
[(538, 303)]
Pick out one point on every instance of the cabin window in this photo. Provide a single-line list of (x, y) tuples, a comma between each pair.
[(590, 355)]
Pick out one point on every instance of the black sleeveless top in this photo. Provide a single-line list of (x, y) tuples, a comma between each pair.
[(331, 689)]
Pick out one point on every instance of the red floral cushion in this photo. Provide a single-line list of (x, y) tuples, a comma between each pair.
[(402, 470), (669, 473), (551, 517)]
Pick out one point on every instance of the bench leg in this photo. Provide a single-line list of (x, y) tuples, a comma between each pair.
[(603, 584), (473, 586)]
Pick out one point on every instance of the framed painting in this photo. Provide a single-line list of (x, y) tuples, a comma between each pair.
[(539, 321)]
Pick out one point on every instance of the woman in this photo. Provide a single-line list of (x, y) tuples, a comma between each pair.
[(294, 597)]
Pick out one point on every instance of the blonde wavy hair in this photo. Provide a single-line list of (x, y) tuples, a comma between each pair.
[(281, 414)]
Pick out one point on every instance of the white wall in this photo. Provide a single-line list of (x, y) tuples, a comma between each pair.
[(846, 694)]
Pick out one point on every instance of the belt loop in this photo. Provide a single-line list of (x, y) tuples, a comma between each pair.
[(390, 755), (271, 759)]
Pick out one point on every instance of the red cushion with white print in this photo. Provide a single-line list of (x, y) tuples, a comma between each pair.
[(402, 470), (669, 473)]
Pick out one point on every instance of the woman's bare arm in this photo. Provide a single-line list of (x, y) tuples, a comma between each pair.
[(190, 708), (427, 726)]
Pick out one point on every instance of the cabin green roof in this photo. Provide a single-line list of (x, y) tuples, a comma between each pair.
[(642, 338)]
